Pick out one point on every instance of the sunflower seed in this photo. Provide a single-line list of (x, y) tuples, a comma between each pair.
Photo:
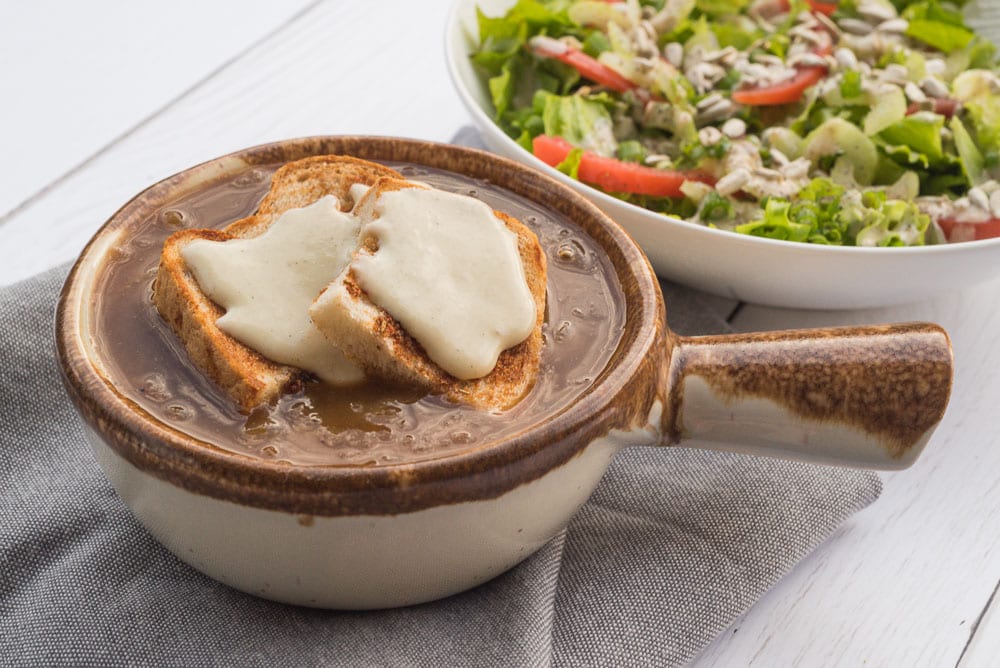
[(752, 70), (733, 181), (734, 128), (806, 17), (797, 169), (855, 27), (709, 136), (643, 65), (674, 52), (805, 33), (648, 28), (828, 85), (934, 87), (718, 111), (808, 60), (721, 55), (655, 158), (768, 59), (894, 25), (894, 74), (913, 93), (767, 173), (978, 198), (704, 75), (829, 24), (846, 58), (779, 158), (547, 46), (876, 11), (935, 66), (709, 100)]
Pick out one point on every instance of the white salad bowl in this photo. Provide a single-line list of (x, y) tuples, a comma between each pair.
[(742, 267)]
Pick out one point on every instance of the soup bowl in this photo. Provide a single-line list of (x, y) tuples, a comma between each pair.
[(361, 537)]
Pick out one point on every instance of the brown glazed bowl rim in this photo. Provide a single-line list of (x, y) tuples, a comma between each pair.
[(486, 472)]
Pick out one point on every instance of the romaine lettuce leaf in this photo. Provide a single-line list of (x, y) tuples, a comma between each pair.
[(968, 153), (937, 25), (976, 90), (920, 132), (582, 121), (941, 36)]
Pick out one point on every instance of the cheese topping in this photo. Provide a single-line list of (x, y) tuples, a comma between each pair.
[(266, 284), (449, 271)]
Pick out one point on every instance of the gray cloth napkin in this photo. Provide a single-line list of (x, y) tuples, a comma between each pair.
[(673, 546)]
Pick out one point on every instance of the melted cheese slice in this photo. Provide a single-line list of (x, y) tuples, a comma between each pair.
[(449, 271), (266, 284)]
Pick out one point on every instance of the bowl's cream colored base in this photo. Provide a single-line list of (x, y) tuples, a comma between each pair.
[(361, 562)]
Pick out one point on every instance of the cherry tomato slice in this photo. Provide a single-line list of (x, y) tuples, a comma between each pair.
[(785, 92), (614, 175), (956, 231)]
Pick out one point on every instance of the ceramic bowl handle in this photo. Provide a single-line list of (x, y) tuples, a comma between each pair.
[(863, 396)]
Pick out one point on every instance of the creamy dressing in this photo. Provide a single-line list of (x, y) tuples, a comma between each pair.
[(266, 284), (449, 271)]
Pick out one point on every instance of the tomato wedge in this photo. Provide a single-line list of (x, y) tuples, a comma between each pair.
[(785, 92), (614, 175), (588, 67), (956, 231)]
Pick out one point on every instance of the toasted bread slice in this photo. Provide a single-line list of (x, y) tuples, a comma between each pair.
[(378, 343), (246, 375)]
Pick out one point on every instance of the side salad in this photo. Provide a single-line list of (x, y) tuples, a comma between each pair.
[(847, 122)]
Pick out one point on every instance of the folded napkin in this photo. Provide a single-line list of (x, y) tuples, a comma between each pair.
[(672, 547)]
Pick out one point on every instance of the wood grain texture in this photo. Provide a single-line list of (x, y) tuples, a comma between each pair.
[(80, 74)]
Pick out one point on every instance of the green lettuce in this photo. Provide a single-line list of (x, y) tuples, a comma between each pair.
[(513, 74), (581, 120), (940, 35), (968, 153), (777, 223), (631, 151), (884, 222), (974, 89), (827, 213), (920, 132), (570, 165), (937, 26)]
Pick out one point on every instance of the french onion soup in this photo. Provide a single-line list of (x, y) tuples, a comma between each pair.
[(369, 422)]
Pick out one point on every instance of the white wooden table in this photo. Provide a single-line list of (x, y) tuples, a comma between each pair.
[(100, 99)]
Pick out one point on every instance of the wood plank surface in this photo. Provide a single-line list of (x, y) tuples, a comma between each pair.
[(78, 75)]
